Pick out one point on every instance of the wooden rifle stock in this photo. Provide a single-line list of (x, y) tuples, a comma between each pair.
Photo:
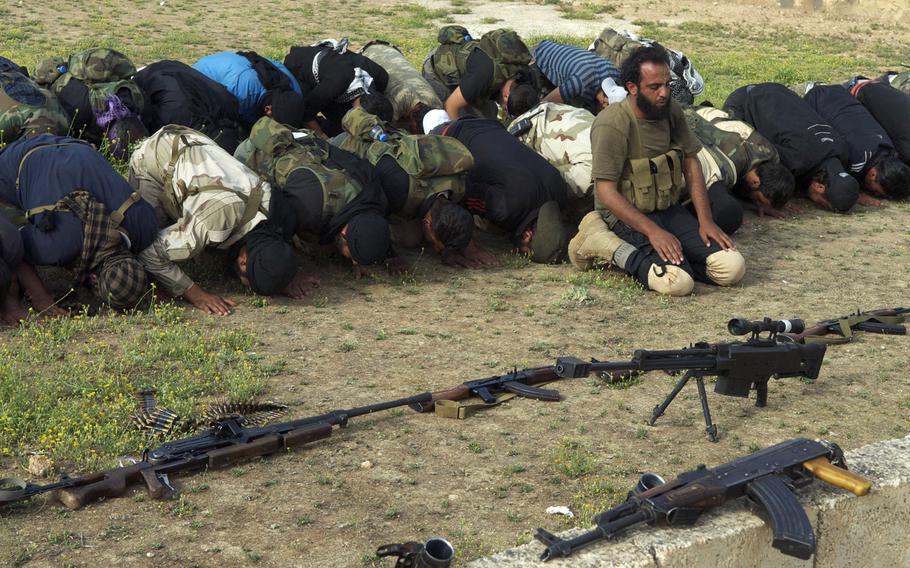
[(824, 328), (110, 483), (838, 476), (235, 453), (465, 390)]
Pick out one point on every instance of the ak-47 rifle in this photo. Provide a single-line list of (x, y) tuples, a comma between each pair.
[(884, 321), (740, 367), (767, 477), (226, 444), (520, 383)]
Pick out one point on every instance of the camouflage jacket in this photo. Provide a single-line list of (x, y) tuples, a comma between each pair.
[(27, 110), (406, 86), (201, 196), (730, 147), (562, 134)]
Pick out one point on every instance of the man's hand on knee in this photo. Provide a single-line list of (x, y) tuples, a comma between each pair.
[(667, 246), (711, 232)]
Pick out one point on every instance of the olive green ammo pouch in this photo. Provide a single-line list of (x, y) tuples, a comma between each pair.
[(434, 164), (650, 184), (450, 58)]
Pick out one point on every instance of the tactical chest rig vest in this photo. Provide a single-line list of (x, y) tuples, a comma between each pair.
[(650, 184), (434, 164), (338, 189), (175, 193), (507, 51), (746, 154)]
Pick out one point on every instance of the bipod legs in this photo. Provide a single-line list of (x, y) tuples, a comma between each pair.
[(662, 407), (710, 428)]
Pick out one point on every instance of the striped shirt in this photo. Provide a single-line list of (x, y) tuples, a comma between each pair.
[(577, 72)]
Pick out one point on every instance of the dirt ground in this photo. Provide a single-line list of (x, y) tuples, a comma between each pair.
[(485, 482)]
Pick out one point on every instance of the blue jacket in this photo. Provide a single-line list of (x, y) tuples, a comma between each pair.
[(237, 75), (50, 173)]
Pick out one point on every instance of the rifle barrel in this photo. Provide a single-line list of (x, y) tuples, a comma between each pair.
[(338, 416)]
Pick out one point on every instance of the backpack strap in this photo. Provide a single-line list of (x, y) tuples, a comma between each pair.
[(177, 150), (117, 215), (634, 133), (31, 151), (26, 216), (252, 202)]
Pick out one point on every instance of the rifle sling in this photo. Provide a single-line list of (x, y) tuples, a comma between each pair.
[(842, 329), (460, 410)]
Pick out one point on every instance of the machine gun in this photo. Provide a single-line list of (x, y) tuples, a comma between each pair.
[(740, 367), (226, 444), (840, 330), (767, 477)]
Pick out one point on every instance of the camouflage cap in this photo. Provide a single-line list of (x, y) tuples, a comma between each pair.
[(101, 65)]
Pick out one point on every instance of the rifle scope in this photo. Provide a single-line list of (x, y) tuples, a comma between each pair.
[(745, 327)]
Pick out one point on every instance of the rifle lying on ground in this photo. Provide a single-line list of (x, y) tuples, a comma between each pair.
[(226, 444), (490, 390), (767, 477), (840, 330), (739, 367)]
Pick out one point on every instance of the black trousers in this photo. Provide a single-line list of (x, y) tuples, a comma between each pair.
[(684, 226), (726, 210)]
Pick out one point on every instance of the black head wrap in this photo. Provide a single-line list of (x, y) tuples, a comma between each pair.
[(287, 108), (271, 262), (843, 189), (369, 238)]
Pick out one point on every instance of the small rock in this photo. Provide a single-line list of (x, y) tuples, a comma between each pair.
[(150, 554), (366, 464), (274, 526), (40, 465), (453, 497)]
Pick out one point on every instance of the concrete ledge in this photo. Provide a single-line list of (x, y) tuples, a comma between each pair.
[(850, 530)]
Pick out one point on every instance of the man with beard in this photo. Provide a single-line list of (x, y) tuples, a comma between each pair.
[(644, 157)]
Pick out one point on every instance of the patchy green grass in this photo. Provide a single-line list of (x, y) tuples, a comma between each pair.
[(572, 459), (729, 57), (66, 386)]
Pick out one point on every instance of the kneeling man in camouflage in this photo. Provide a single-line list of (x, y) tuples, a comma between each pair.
[(643, 157)]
